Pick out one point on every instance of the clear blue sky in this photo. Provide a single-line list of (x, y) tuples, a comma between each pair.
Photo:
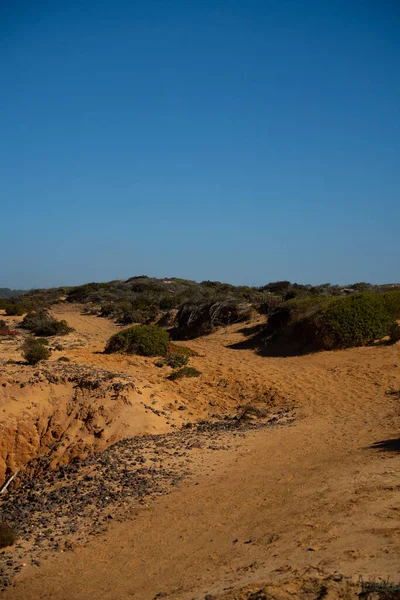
[(244, 141)]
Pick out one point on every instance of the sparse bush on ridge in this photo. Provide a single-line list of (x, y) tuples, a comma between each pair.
[(145, 340)]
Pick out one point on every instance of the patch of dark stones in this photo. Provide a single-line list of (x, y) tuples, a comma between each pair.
[(56, 510)]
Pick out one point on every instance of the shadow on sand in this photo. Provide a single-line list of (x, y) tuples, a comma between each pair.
[(392, 445), (280, 346)]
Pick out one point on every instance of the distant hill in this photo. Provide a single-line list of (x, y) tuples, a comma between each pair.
[(8, 293)]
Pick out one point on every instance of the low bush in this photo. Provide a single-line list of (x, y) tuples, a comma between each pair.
[(7, 536), (42, 324), (14, 309), (184, 372), (53, 327), (35, 350), (145, 340), (176, 360)]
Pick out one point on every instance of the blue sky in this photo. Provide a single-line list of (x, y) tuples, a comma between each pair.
[(244, 141)]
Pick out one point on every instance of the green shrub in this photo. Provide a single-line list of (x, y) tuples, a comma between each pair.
[(353, 321), (7, 536), (53, 327), (145, 340), (333, 322), (42, 324), (34, 351), (184, 372), (176, 360)]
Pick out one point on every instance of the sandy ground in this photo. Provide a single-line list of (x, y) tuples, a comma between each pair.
[(320, 496)]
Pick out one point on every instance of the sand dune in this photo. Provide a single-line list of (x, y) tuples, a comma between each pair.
[(312, 498)]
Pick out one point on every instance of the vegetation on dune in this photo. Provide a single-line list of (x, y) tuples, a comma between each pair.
[(9, 293), (190, 309), (327, 323), (176, 360), (35, 350), (145, 340), (195, 319), (15, 309), (144, 300), (42, 324), (25, 302), (173, 360), (184, 372)]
